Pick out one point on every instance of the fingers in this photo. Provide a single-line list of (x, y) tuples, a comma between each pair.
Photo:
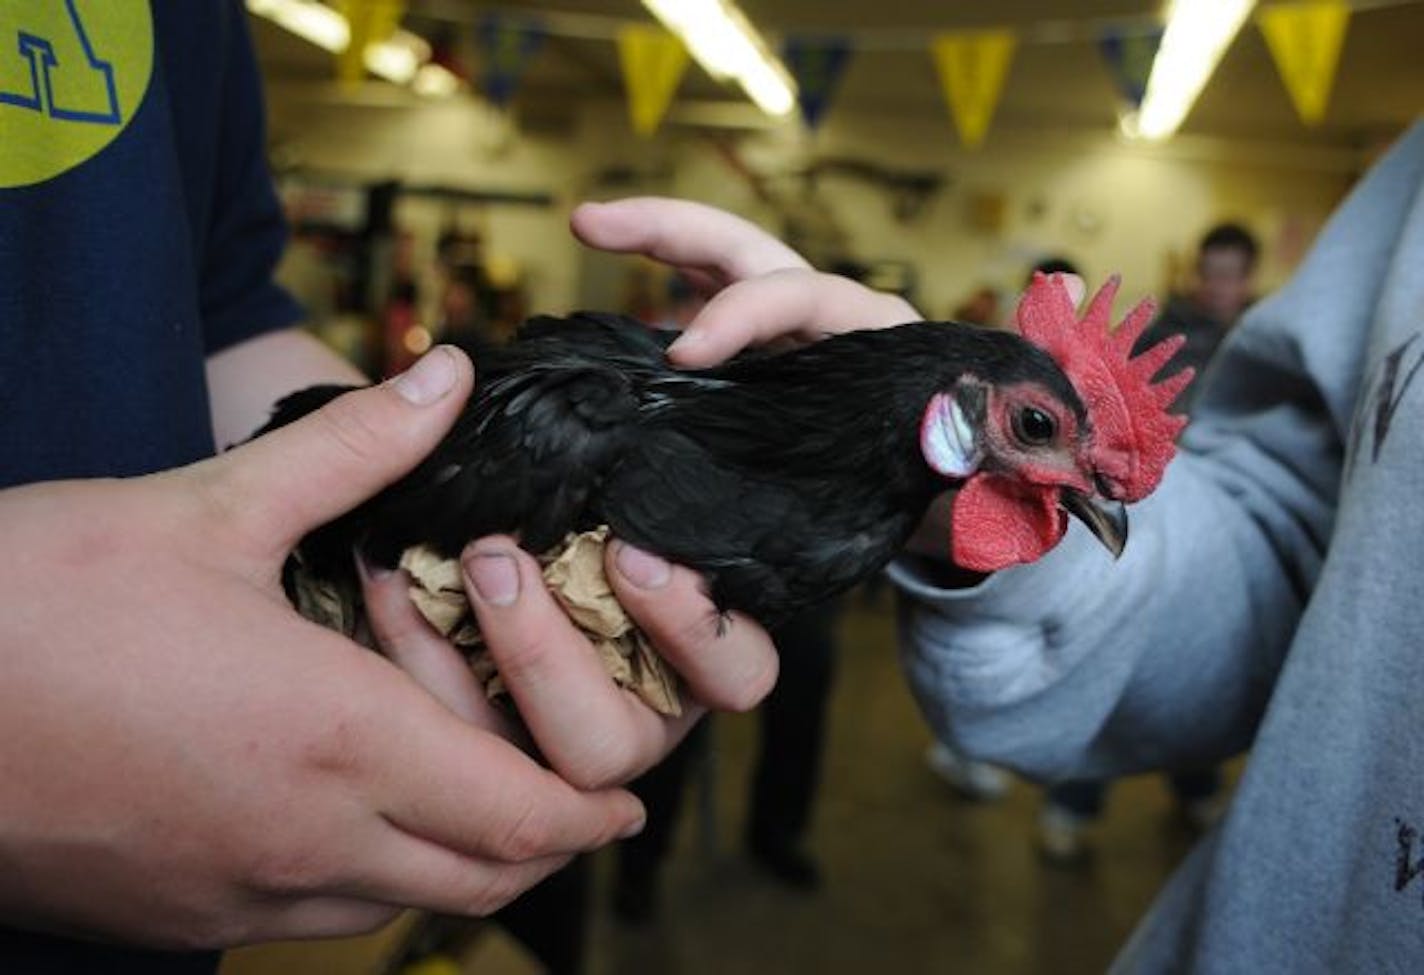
[(728, 663), (800, 303), (287, 482), (321, 917), (772, 291), (684, 234), (412, 644), (407, 870), (591, 731), (470, 791), (396, 868)]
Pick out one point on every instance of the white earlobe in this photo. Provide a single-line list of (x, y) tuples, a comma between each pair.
[(947, 440)]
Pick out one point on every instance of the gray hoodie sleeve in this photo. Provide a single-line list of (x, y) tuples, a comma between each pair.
[(1081, 666)]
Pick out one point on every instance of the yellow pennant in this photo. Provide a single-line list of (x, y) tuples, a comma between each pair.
[(1305, 40), (371, 22), (972, 67), (653, 64)]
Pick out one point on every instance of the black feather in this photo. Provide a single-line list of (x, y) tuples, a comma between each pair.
[(782, 478)]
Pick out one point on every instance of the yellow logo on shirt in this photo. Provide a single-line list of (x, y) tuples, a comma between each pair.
[(72, 75)]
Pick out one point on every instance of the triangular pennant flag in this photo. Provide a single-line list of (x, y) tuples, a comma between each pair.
[(1129, 56), (508, 44), (816, 64), (972, 67), (653, 64), (1305, 40), (370, 22)]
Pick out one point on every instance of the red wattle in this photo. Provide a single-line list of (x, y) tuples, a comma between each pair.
[(997, 522)]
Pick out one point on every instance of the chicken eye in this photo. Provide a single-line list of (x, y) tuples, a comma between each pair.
[(1034, 427)]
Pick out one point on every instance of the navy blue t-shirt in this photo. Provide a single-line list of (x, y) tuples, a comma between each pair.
[(120, 274), (138, 234)]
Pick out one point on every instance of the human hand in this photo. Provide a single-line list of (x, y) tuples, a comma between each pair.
[(593, 733), (188, 763), (761, 290)]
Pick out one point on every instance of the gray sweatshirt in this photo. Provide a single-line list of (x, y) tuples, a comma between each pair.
[(1271, 597)]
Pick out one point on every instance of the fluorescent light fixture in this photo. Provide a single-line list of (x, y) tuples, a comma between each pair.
[(1198, 34), (315, 22), (436, 81), (723, 41), (396, 59)]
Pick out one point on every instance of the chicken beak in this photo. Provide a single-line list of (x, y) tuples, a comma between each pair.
[(1107, 520)]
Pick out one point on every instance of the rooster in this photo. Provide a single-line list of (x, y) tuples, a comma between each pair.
[(786, 478)]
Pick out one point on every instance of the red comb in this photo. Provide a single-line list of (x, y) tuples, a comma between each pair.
[(1133, 433)]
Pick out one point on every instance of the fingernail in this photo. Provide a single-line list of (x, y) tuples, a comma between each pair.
[(642, 569), (494, 576), (633, 828), (429, 379), (684, 342)]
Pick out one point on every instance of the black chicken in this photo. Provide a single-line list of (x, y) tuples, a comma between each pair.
[(782, 478)]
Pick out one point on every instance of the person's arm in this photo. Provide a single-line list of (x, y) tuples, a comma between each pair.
[(247, 379), (189, 763), (1080, 667)]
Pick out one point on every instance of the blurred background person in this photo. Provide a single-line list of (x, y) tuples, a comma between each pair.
[(784, 781), (790, 744), (1222, 288)]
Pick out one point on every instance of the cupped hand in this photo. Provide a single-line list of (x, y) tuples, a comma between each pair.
[(187, 762), (592, 732)]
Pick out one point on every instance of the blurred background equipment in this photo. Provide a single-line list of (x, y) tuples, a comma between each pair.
[(429, 153), (495, 120)]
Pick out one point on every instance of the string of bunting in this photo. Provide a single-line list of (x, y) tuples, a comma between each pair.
[(1304, 37)]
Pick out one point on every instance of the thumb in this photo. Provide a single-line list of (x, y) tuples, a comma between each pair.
[(289, 481)]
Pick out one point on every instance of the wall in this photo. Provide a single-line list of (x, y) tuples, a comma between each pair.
[(1112, 207)]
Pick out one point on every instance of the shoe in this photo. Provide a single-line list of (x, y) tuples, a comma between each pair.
[(792, 867), (979, 781), (635, 897), (1063, 836)]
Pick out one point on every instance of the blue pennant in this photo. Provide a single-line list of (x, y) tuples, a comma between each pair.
[(817, 64), (507, 45), (1129, 55)]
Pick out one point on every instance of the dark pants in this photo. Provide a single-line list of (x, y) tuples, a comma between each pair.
[(661, 789), (22, 953), (793, 721), (793, 731), (551, 920), (1085, 797)]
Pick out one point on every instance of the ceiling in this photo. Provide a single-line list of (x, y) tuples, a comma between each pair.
[(1060, 84)]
